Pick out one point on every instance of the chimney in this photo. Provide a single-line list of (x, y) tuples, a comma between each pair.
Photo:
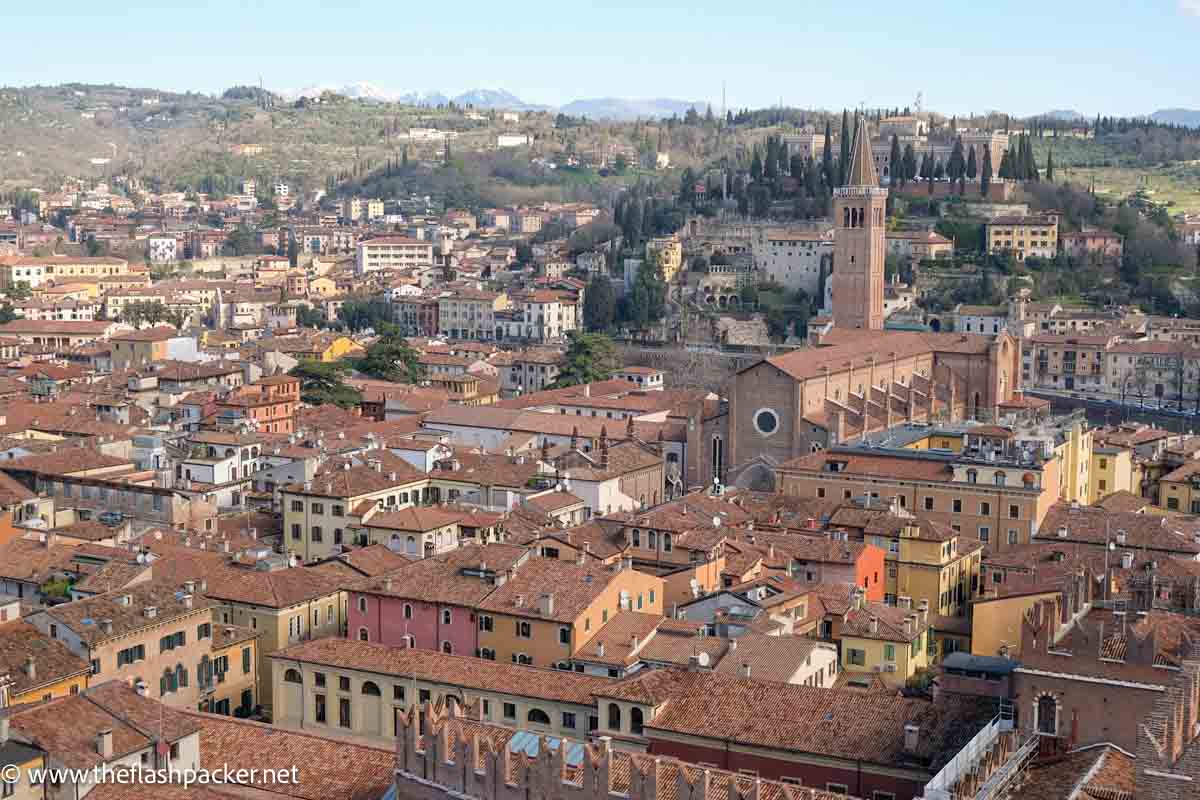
[(104, 743), (745, 672), (387, 584), (693, 663), (142, 689), (633, 643), (30, 668), (519, 600), (150, 612), (1121, 537), (600, 650), (124, 600), (580, 558), (546, 605), (912, 737), (1127, 560), (732, 645), (203, 585), (106, 626), (874, 625), (189, 587), (187, 601)]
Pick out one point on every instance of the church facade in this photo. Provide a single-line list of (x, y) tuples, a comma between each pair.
[(857, 379)]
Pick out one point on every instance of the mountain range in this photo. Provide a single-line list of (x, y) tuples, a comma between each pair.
[(1178, 116), (596, 108)]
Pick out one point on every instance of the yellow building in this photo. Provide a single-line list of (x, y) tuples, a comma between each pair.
[(932, 564), (233, 678), (889, 640), (26, 758), (40, 667), (1114, 469), (668, 250), (1179, 490), (138, 348), (550, 609), (1035, 236), (318, 514), (1075, 461)]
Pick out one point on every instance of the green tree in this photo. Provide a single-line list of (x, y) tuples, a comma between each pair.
[(7, 314), (590, 357), (1050, 166), (359, 315), (309, 317), (648, 297), (599, 304), (749, 295), (827, 157), (985, 172), (896, 160), (844, 149), (391, 359), (19, 291), (756, 166), (910, 164), (972, 167), (321, 383), (956, 167)]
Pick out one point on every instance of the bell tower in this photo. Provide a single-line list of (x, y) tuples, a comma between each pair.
[(859, 248)]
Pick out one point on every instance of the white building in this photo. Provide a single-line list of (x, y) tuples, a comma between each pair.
[(162, 249), (512, 140), (392, 252), (792, 258)]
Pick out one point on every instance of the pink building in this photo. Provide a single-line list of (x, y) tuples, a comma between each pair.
[(430, 603)]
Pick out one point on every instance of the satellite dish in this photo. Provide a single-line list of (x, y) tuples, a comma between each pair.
[(702, 659)]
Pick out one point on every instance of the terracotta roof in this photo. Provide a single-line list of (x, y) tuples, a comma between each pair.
[(770, 658), (373, 560), (417, 519), (616, 639), (161, 333), (66, 727), (465, 671), (336, 481), (127, 611), (441, 579), (554, 501), (52, 661), (574, 587), (1176, 534), (327, 768), (1095, 773), (825, 722)]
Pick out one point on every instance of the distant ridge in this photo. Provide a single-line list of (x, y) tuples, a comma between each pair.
[(1178, 116), (597, 108)]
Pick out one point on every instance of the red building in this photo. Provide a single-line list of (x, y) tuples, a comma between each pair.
[(270, 403)]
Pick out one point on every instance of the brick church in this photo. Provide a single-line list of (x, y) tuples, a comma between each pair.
[(857, 378)]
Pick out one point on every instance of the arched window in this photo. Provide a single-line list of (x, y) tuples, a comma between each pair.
[(370, 688), (447, 648), (407, 611), (667, 543), (614, 717), (538, 717), (181, 676), (364, 635), (362, 605), (652, 540), (408, 640), (635, 721), (1047, 715), (292, 676), (410, 545), (637, 538)]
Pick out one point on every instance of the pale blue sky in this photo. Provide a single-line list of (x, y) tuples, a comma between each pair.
[(1114, 56)]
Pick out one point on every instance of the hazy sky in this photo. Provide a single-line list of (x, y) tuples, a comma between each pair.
[(1114, 56)]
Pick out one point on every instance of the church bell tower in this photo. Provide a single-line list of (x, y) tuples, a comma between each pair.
[(860, 224)]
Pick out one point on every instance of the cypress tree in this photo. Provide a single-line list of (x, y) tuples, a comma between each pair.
[(910, 164), (985, 172), (827, 156), (972, 166), (844, 151), (895, 160), (1050, 166)]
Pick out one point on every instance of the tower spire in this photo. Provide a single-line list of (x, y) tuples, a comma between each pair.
[(862, 161)]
